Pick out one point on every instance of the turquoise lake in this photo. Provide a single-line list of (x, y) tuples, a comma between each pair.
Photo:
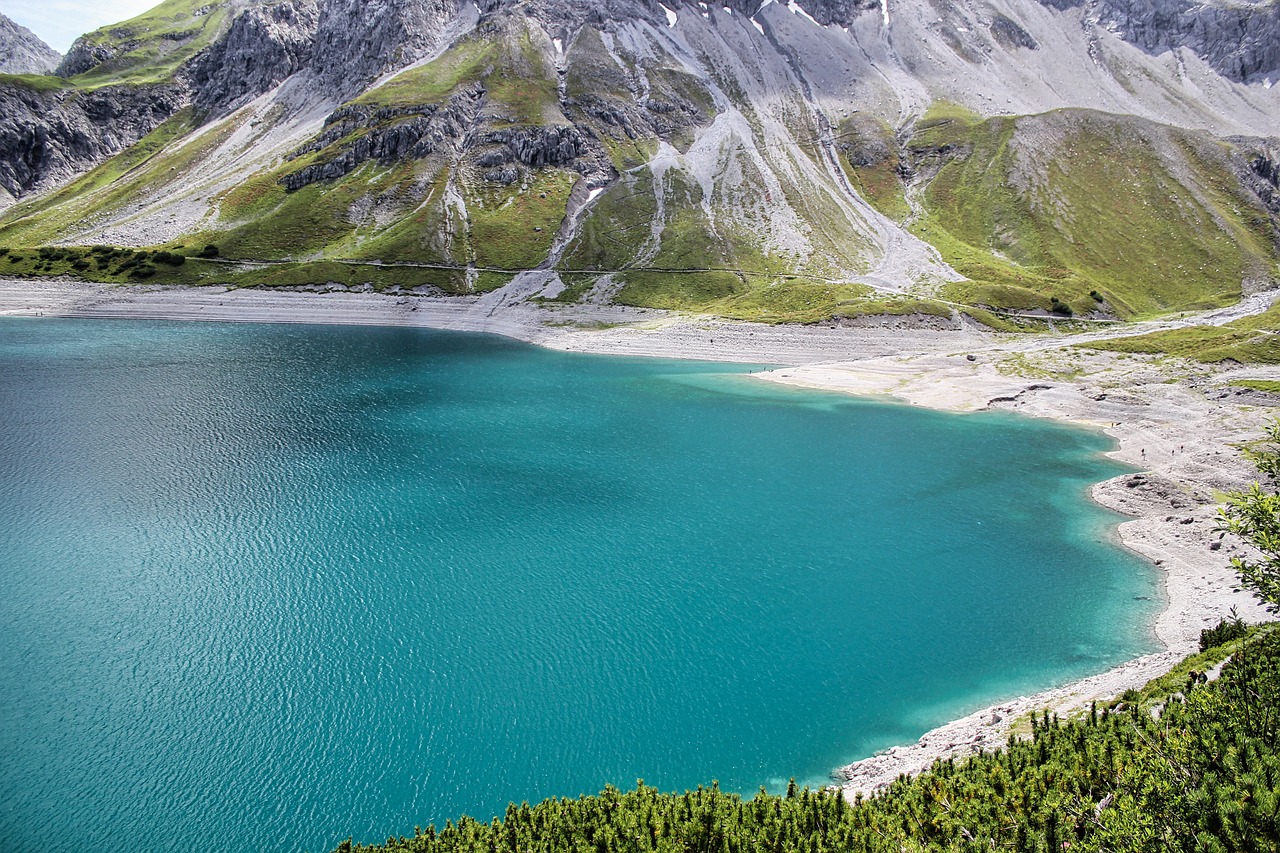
[(268, 587)]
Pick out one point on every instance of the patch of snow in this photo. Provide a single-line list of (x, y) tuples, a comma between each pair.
[(797, 9), (671, 16), (594, 194), (757, 25), (884, 11), (559, 46), (1267, 84), (728, 11)]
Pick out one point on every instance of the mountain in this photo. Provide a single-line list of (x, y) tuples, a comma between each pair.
[(1104, 158), (22, 51)]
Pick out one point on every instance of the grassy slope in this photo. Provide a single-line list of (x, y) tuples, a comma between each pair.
[(36, 82), (1251, 340), (871, 162), (1149, 217), (519, 88), (151, 47), (399, 212), (138, 172)]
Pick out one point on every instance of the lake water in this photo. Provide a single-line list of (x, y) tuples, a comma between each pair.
[(266, 587)]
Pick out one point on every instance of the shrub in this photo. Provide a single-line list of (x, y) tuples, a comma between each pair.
[(170, 258), (1224, 632), (210, 251)]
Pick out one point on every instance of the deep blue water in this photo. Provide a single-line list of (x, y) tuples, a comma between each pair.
[(267, 587)]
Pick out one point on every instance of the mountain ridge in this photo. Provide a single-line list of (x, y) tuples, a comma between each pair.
[(23, 52), (790, 143)]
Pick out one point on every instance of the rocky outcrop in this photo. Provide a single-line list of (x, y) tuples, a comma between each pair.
[(385, 135), (537, 147), (23, 52), (564, 146), (264, 46), (49, 136), (1009, 33), (1241, 40), (84, 56), (356, 41), (1257, 166)]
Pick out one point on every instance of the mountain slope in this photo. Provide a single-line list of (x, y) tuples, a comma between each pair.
[(23, 52), (780, 161)]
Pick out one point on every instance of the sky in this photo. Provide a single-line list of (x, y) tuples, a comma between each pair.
[(59, 22)]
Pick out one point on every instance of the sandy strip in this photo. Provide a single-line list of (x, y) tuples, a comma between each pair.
[(1178, 422), (606, 330)]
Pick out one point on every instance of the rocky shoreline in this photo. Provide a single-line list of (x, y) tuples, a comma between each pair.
[(1184, 444)]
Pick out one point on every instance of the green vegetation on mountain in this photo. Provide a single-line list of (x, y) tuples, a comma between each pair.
[(37, 82), (153, 46), (1088, 211), (357, 276), (140, 173), (512, 228), (1267, 385), (1182, 765), (108, 264), (873, 164), (520, 88), (1254, 516)]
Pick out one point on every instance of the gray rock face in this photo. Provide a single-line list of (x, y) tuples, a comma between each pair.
[(264, 46), (46, 137), (83, 56), (357, 40), (536, 147), (389, 135), (23, 52), (1239, 39), (1260, 172)]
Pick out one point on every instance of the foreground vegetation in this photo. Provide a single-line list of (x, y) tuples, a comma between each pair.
[(1183, 765)]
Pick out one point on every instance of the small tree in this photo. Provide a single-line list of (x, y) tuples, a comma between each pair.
[(1254, 516)]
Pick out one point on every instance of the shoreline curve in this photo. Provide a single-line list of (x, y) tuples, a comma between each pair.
[(1180, 434)]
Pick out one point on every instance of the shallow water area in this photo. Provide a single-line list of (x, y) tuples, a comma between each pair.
[(278, 585)]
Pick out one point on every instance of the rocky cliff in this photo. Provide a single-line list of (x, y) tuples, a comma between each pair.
[(22, 51), (51, 134)]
